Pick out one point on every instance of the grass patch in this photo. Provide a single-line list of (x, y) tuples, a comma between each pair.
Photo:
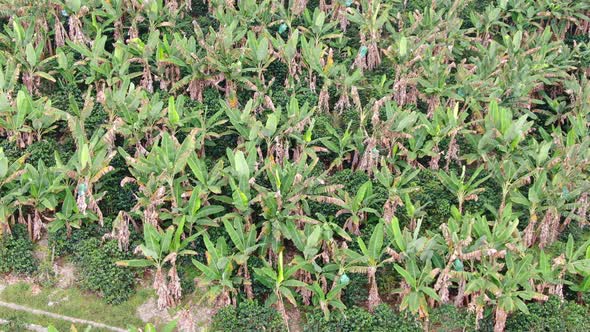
[(75, 303), (19, 319)]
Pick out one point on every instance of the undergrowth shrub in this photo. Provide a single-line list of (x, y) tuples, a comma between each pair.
[(360, 320), (551, 316), (16, 252), (97, 272), (42, 150), (438, 198), (248, 316), (448, 318), (356, 292), (64, 245)]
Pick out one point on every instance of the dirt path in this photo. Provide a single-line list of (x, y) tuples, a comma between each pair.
[(62, 317)]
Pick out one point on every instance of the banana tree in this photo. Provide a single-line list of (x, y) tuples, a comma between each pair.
[(210, 180), (507, 290), (239, 173), (339, 144), (534, 201), (218, 274), (457, 236), (193, 60), (157, 173), (369, 260), (11, 191), (325, 300), (280, 281), (69, 216), (416, 286), (370, 18), (27, 120), (397, 186), (161, 248), (358, 207), (30, 55), (307, 242), (198, 216), (292, 186), (575, 263), (465, 189), (245, 241), (509, 175), (41, 188), (288, 53), (87, 166)]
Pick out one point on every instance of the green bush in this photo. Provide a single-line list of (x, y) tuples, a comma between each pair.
[(551, 316), (16, 252), (42, 150), (448, 318), (248, 316), (439, 200), (117, 198), (356, 292), (357, 319), (64, 245), (97, 271), (386, 319)]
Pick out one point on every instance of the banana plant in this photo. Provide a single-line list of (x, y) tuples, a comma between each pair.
[(550, 276), (210, 128), (245, 241), (358, 207), (27, 120), (416, 287), (503, 132), (259, 54), (307, 242), (397, 185), (340, 145), (11, 191), (575, 263), (240, 171), (370, 18), (534, 201), (327, 300), (157, 173), (88, 165), (507, 290), (456, 239), (509, 175), (198, 216), (369, 260), (280, 281), (465, 189), (41, 187), (209, 180), (406, 243), (30, 55), (317, 28), (218, 274), (286, 199), (69, 216), (161, 248), (287, 52)]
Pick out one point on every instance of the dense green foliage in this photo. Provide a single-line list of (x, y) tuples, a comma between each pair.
[(248, 316), (433, 156), (97, 271), (357, 319), (16, 253), (553, 315)]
